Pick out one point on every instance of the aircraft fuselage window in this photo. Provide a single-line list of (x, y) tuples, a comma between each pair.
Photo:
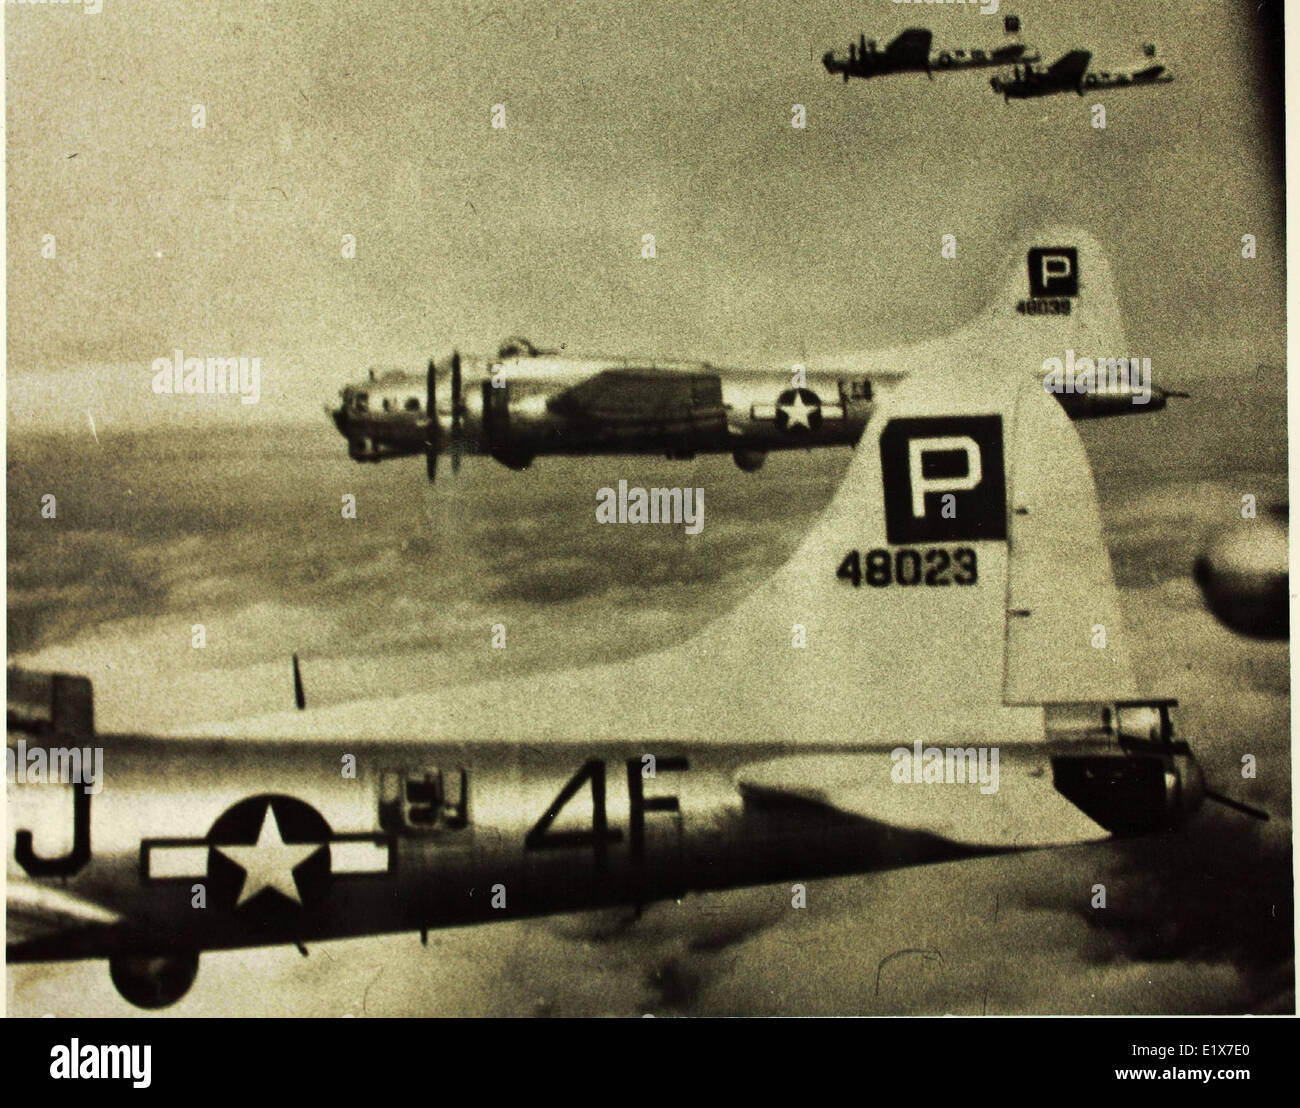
[(361, 402), (424, 800), (412, 403)]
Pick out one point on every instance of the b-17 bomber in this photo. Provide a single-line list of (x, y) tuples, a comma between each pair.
[(527, 402), (912, 52), (1074, 72)]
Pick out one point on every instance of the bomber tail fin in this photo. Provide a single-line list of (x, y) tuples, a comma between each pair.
[(1058, 294)]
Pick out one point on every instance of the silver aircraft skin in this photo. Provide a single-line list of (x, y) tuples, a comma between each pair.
[(527, 403), (284, 849), (987, 725), (1074, 72)]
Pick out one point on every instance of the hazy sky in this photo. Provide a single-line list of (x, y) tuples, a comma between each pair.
[(332, 118)]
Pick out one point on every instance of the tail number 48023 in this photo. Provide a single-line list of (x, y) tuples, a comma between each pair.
[(905, 565)]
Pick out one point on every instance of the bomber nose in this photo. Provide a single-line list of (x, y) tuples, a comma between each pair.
[(340, 414)]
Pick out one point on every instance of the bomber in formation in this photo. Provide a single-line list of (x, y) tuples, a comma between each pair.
[(1023, 75), (528, 402)]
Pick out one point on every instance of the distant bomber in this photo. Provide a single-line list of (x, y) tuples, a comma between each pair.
[(910, 52), (1073, 73)]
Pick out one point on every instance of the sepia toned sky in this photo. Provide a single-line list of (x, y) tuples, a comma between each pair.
[(774, 244)]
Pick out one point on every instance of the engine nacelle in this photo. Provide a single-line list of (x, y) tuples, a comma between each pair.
[(1243, 577), (153, 980)]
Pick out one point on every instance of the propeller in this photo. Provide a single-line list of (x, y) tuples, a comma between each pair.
[(457, 413), (299, 697), (431, 427)]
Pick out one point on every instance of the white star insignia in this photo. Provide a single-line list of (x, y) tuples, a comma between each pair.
[(797, 413), (269, 863)]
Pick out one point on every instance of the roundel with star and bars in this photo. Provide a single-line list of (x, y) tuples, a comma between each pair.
[(271, 852), (798, 409)]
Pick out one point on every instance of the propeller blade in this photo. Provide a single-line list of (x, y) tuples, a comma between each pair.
[(299, 697), (1237, 805), (457, 412), (431, 429)]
